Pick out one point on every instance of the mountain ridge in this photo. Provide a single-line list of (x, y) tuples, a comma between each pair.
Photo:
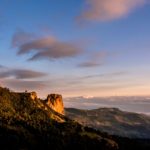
[(32, 124), (113, 121), (28, 123)]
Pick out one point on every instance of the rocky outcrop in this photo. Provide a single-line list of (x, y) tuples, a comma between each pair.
[(33, 95), (55, 102)]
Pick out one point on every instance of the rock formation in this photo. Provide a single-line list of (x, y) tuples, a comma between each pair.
[(55, 102), (33, 95)]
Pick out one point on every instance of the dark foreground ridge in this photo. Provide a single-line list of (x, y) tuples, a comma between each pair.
[(27, 122)]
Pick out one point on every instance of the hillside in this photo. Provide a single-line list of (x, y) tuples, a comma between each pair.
[(30, 124), (113, 121), (27, 122)]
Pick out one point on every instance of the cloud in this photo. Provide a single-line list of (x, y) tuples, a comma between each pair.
[(45, 48), (96, 59), (21, 74), (58, 50), (106, 75), (21, 37), (22, 79), (104, 10), (36, 45), (24, 85), (89, 64), (1, 66), (127, 103)]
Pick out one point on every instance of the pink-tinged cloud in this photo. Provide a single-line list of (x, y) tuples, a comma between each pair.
[(104, 10), (36, 45), (58, 50), (89, 64), (49, 48), (22, 85), (21, 74), (21, 37), (96, 59)]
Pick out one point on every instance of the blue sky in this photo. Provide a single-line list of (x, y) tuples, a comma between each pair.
[(76, 48)]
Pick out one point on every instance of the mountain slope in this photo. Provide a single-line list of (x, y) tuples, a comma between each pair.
[(113, 121), (30, 124)]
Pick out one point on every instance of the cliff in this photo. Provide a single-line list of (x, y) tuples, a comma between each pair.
[(55, 102)]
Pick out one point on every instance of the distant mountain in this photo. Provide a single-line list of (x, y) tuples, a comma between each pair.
[(113, 121), (138, 104)]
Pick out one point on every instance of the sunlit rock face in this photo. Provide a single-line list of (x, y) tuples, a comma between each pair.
[(55, 102), (33, 95)]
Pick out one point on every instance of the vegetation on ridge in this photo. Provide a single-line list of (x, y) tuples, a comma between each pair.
[(31, 124), (26, 124)]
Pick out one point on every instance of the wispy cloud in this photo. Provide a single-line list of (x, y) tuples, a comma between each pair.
[(106, 75), (101, 79), (58, 50), (1, 66), (95, 59), (51, 48), (104, 10), (22, 85), (36, 45), (22, 79), (20, 37), (89, 64), (44, 47), (21, 74)]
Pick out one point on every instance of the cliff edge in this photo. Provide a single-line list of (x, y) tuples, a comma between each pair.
[(55, 102)]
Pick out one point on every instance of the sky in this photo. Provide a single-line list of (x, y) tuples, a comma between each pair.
[(75, 47), (139, 104)]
